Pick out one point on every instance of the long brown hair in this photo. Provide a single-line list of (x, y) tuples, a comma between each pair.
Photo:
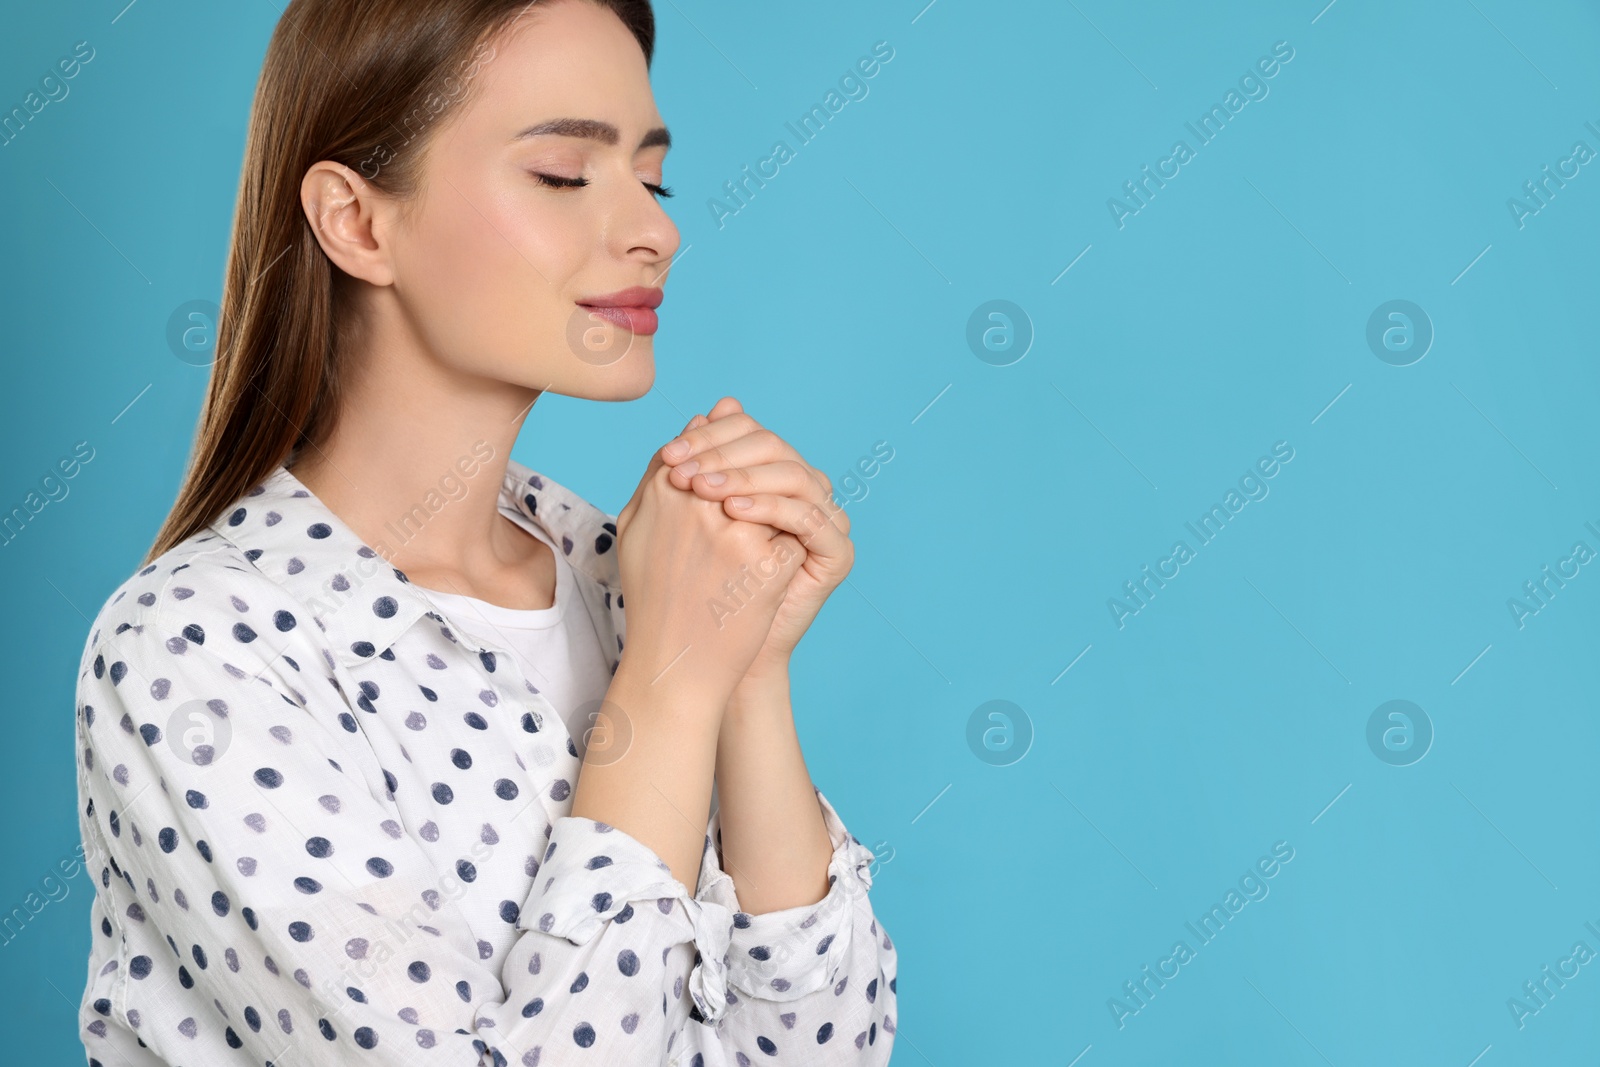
[(364, 83)]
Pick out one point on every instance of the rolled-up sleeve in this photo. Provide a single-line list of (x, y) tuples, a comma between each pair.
[(268, 877), (813, 984)]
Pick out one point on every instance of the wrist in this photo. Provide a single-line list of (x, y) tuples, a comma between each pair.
[(685, 696), (763, 687)]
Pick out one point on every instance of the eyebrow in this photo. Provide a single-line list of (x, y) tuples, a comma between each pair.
[(594, 130)]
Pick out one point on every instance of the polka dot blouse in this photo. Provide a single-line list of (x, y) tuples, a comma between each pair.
[(326, 828)]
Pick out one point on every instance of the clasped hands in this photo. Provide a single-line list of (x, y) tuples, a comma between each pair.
[(759, 477)]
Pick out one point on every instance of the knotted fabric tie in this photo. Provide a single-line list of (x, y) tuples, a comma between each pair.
[(708, 981)]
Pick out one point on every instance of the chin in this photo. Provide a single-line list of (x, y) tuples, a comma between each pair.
[(628, 379)]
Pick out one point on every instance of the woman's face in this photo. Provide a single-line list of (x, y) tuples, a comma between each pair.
[(536, 200)]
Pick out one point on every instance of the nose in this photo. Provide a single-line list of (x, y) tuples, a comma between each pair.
[(646, 232)]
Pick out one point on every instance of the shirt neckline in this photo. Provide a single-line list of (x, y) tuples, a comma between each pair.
[(472, 611), (361, 602)]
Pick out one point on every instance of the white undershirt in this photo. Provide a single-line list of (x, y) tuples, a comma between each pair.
[(558, 648)]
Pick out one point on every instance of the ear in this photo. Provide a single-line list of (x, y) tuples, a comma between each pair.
[(349, 218)]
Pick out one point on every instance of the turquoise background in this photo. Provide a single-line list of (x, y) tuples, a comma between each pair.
[(1228, 314)]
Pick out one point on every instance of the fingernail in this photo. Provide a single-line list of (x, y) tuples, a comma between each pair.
[(712, 477), (688, 468), (740, 501), (677, 449)]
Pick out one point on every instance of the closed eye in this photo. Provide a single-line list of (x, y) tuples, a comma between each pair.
[(556, 181)]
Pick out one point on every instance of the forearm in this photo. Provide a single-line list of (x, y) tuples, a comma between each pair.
[(775, 844), (648, 768)]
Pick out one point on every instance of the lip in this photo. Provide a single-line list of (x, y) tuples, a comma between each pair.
[(638, 297), (633, 309)]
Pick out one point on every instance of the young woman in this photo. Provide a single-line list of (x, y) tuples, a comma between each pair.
[(372, 767)]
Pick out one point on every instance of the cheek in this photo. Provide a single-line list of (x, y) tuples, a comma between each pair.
[(486, 274)]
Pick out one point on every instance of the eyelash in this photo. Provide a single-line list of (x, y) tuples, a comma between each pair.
[(556, 181)]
